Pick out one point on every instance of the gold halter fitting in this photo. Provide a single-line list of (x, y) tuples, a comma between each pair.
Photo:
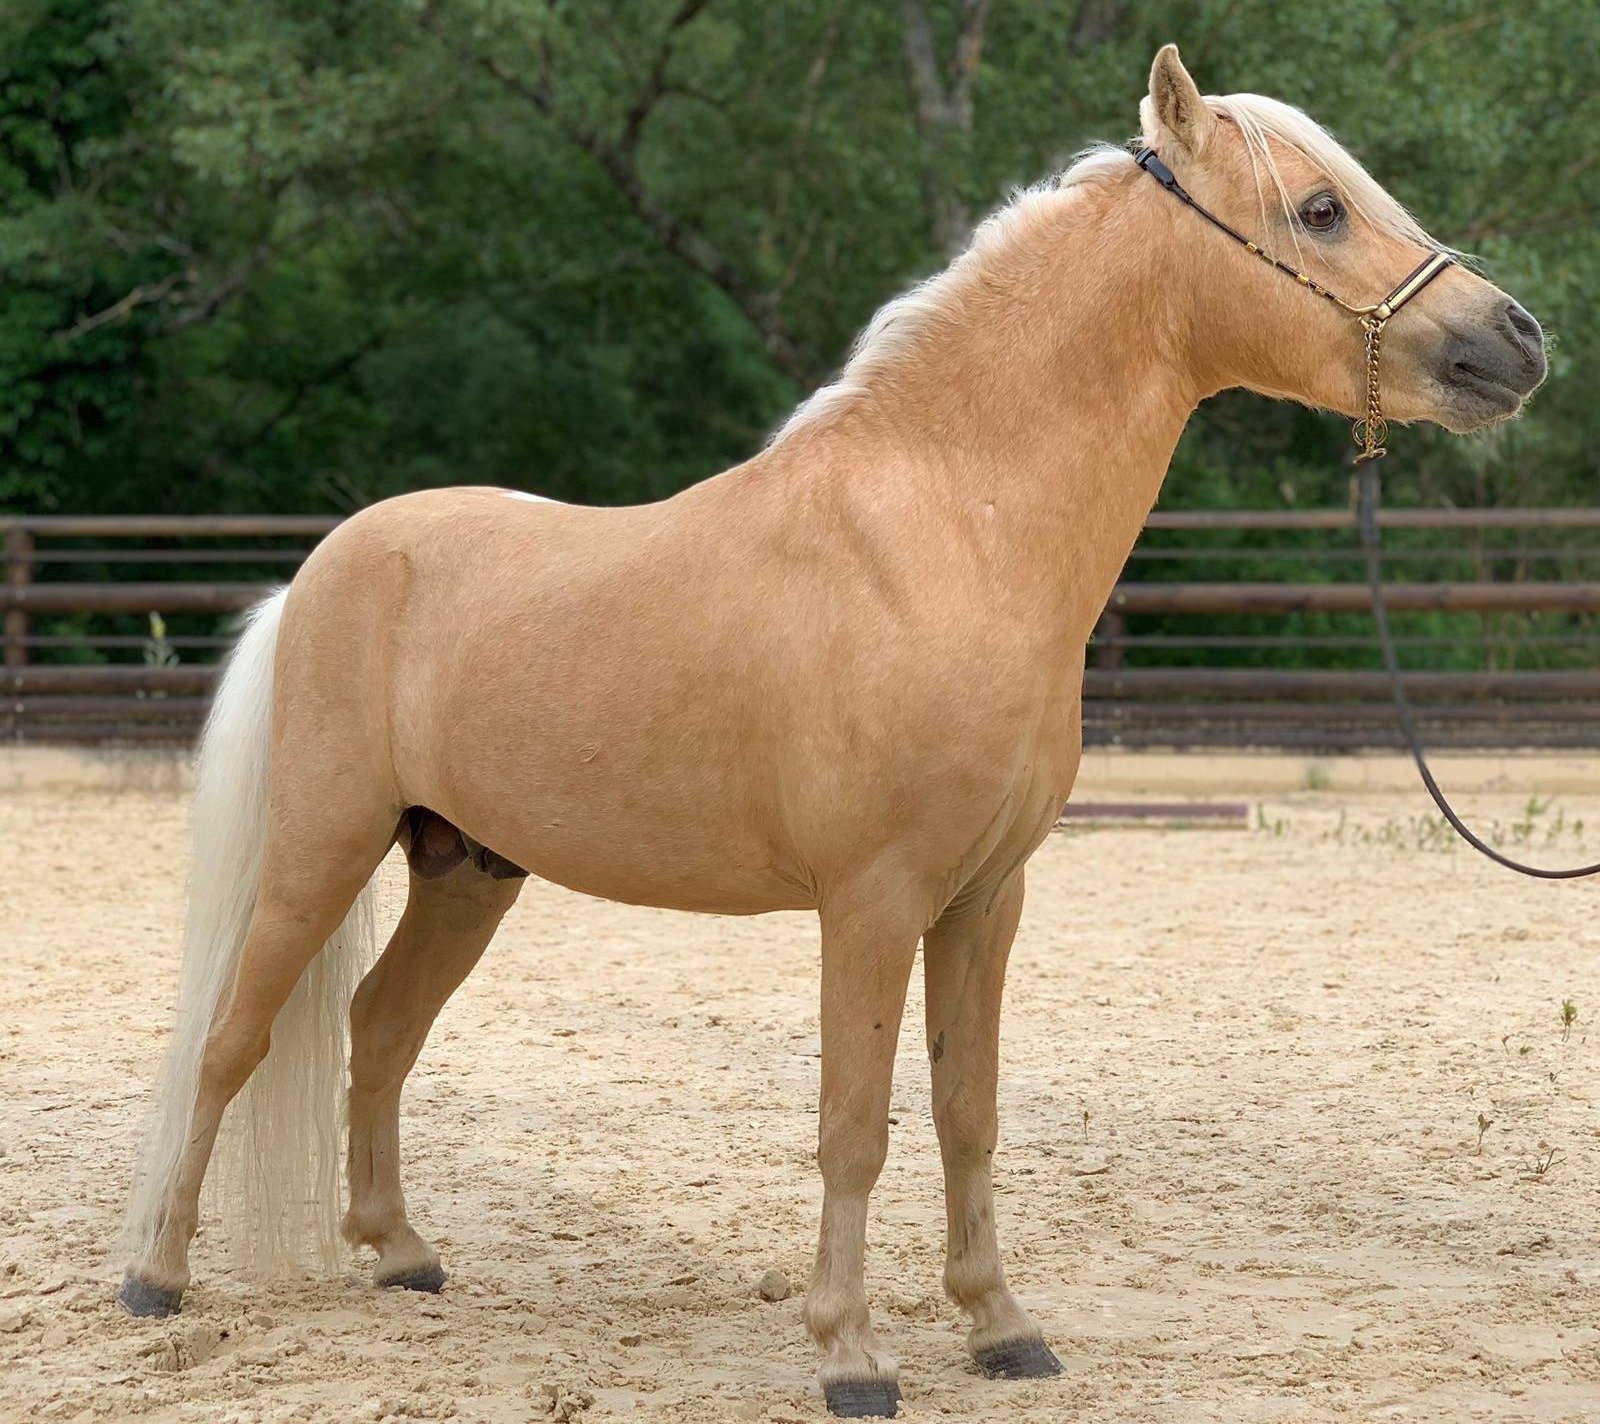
[(1371, 430)]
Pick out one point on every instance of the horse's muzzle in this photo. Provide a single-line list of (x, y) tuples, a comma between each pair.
[(1487, 374)]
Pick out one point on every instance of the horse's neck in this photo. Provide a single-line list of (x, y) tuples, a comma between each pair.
[(1041, 409)]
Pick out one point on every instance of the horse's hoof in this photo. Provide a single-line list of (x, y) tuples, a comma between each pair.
[(862, 1399), (429, 1278), (140, 1297), (1018, 1359)]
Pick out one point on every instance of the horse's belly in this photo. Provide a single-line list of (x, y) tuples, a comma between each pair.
[(670, 880), (631, 841)]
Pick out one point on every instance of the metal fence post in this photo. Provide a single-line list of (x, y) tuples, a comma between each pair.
[(19, 574)]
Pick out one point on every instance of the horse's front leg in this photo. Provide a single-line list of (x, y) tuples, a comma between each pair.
[(867, 953), (964, 960)]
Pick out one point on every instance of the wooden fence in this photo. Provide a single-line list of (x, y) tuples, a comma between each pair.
[(81, 662)]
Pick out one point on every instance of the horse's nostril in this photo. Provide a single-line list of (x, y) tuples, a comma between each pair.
[(1524, 325)]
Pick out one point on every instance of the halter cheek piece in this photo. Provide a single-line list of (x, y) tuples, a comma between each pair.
[(1371, 430)]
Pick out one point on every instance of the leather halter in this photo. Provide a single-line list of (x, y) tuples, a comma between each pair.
[(1371, 431)]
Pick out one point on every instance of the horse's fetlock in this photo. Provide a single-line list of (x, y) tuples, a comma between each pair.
[(168, 1272), (970, 1285), (359, 1229), (832, 1317), (853, 1361)]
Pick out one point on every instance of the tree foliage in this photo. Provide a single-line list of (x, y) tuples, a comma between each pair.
[(298, 255)]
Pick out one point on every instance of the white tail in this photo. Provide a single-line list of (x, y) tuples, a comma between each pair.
[(275, 1176)]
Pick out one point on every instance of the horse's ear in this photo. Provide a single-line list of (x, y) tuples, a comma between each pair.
[(1174, 112)]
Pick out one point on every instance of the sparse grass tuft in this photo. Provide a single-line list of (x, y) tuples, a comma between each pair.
[(1318, 777), (157, 651), (1275, 827), (1544, 1159)]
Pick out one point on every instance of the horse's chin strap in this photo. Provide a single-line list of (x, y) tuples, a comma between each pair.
[(1370, 433)]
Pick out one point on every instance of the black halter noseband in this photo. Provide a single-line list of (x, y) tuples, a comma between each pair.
[(1370, 433)]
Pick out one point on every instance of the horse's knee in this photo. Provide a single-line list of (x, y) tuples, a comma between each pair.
[(966, 1121), (851, 1155)]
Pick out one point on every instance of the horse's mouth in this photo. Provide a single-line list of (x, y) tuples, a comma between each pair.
[(1474, 396), (1498, 397)]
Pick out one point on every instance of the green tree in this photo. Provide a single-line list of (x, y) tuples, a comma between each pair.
[(294, 255)]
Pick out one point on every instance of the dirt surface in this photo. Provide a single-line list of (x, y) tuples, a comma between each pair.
[(1239, 1175)]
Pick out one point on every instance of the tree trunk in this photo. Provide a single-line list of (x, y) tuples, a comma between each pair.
[(944, 110)]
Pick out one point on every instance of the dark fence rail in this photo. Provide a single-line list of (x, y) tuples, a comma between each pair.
[(82, 664)]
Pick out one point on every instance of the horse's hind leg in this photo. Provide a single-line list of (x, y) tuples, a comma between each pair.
[(453, 910), (964, 959), (311, 875)]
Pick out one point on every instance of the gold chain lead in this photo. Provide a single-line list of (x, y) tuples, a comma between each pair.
[(1371, 433)]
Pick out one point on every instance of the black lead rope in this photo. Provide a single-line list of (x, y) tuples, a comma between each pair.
[(1372, 547)]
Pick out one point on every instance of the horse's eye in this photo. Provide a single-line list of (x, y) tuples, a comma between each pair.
[(1322, 213)]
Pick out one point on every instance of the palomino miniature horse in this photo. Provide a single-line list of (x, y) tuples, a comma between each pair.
[(843, 676)]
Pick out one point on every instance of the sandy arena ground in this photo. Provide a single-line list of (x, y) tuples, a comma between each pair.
[(1239, 1176)]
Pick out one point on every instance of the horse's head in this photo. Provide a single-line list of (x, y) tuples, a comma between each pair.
[(1462, 353)]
